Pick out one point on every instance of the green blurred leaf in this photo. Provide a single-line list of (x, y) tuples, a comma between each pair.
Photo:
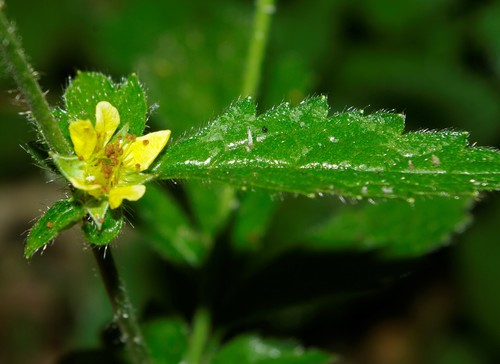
[(87, 89), (293, 58), (403, 16), (251, 349), (459, 351), (211, 204), (140, 24), (252, 220), (169, 230), (62, 215), (397, 228), (479, 271), (487, 30), (196, 69), (302, 150), (109, 230), (66, 19), (167, 340)]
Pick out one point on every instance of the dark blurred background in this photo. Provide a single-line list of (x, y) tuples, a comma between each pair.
[(437, 61)]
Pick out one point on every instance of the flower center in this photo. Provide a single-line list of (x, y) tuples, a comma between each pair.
[(105, 165)]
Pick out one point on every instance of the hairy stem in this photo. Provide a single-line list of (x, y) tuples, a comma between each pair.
[(199, 336), (122, 307), (26, 81), (262, 20)]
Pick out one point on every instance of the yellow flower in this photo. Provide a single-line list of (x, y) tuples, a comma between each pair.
[(109, 165)]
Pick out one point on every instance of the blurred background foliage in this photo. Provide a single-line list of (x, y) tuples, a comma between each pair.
[(438, 61)]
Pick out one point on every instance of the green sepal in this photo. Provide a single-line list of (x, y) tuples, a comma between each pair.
[(87, 89), (108, 231), (97, 210), (40, 155), (70, 166), (62, 215)]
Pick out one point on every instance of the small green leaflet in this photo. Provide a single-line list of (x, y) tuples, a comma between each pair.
[(168, 229), (87, 89), (62, 215), (303, 150)]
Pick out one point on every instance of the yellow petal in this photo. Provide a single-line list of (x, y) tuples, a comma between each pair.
[(107, 120), (84, 138), (131, 193), (142, 152)]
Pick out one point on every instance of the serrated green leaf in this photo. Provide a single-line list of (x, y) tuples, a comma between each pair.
[(250, 349), (107, 232), (167, 340), (396, 228), (87, 89), (62, 215), (169, 230), (302, 150)]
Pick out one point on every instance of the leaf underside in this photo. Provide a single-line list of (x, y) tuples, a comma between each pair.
[(397, 230), (303, 150)]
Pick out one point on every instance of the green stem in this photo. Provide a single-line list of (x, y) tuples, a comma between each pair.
[(26, 81), (122, 307), (262, 20), (199, 336)]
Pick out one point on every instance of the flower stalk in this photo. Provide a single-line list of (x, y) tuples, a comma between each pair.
[(122, 307)]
